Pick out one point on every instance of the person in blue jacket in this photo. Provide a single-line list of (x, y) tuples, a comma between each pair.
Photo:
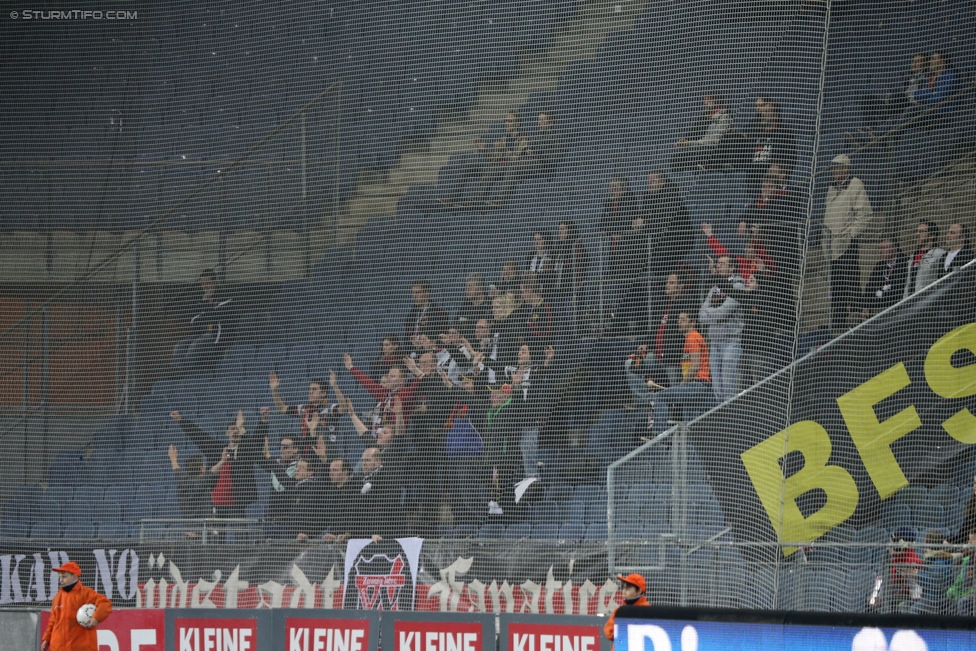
[(942, 84)]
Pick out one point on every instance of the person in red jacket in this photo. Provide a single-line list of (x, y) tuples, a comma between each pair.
[(755, 259), (633, 588), (393, 387), (64, 632)]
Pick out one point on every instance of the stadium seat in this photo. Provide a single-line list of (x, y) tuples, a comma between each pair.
[(463, 531), (828, 554), (896, 514), (519, 531), (596, 511), (111, 531), (929, 515), (911, 495), (560, 493), (954, 517), (574, 512), (944, 494), (545, 532), (572, 531), (546, 512), (76, 529), (596, 532), (589, 493), (142, 505), (872, 535), (630, 532), (64, 470), (493, 531), (110, 511), (935, 581), (48, 529)]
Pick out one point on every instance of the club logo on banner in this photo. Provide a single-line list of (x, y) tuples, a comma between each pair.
[(381, 575)]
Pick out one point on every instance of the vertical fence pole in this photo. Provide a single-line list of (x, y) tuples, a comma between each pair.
[(306, 218), (45, 376), (131, 354), (119, 353), (611, 544), (602, 329), (680, 484), (335, 189), (25, 397)]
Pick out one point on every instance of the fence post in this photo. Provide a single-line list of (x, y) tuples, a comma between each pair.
[(611, 543), (679, 501)]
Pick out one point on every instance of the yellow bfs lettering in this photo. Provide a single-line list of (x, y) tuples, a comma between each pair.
[(872, 438)]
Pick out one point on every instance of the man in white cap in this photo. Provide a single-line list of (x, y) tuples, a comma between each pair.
[(846, 216)]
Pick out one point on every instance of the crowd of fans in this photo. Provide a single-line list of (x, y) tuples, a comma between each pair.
[(460, 400), (455, 424)]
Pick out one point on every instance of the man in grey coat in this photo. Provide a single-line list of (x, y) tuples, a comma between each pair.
[(923, 267), (723, 316)]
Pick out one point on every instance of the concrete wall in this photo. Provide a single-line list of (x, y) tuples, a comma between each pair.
[(19, 630)]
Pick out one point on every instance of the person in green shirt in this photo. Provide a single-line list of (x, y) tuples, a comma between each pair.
[(963, 585)]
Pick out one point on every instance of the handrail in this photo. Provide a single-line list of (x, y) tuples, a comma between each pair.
[(246, 524)]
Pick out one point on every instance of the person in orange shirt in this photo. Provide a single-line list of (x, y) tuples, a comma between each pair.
[(694, 392), (64, 632), (633, 588)]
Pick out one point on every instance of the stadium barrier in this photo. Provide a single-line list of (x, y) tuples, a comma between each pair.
[(19, 630)]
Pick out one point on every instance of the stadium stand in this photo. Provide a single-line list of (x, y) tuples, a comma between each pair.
[(315, 268)]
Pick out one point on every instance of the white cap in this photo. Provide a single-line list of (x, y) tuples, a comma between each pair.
[(869, 639), (907, 641), (842, 159)]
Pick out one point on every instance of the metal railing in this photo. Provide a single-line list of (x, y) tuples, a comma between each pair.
[(204, 529)]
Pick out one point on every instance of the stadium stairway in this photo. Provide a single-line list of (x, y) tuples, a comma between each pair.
[(576, 39), (945, 198)]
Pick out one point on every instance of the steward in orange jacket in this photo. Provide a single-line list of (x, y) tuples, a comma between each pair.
[(633, 588), (64, 633)]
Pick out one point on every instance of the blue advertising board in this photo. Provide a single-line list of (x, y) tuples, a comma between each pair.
[(652, 634)]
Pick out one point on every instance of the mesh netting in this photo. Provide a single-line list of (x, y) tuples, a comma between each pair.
[(307, 272)]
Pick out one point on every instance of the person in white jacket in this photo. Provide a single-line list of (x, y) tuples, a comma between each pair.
[(924, 266), (847, 214), (723, 316)]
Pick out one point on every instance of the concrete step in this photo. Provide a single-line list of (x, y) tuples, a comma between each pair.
[(418, 168), (579, 38), (364, 206)]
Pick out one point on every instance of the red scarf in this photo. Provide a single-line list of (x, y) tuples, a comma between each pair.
[(223, 491)]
